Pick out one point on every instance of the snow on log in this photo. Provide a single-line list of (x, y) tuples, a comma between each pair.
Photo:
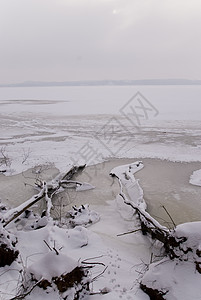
[(47, 190), (12, 214), (125, 174), (127, 181), (186, 243), (182, 244)]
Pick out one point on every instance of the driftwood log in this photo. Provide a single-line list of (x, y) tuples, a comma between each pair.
[(46, 191), (182, 243), (175, 246)]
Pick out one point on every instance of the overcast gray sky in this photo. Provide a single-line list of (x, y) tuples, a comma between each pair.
[(60, 40)]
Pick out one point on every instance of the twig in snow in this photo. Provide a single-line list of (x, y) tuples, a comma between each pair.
[(99, 274), (47, 245), (54, 248), (25, 155), (22, 208), (4, 160), (169, 215), (22, 296), (133, 231), (46, 190)]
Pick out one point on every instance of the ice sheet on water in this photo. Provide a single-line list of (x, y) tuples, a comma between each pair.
[(196, 178)]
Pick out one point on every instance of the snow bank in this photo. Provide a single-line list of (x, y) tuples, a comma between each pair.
[(195, 178), (52, 265), (175, 279), (191, 245)]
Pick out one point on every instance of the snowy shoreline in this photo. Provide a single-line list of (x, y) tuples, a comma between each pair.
[(121, 256), (62, 126), (40, 138), (163, 182)]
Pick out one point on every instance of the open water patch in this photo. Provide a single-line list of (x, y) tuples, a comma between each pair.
[(165, 185)]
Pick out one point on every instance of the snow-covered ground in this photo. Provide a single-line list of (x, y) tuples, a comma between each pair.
[(68, 124), (55, 127)]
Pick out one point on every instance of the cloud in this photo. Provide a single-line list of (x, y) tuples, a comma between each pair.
[(85, 39)]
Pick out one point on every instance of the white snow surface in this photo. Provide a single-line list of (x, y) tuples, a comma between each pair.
[(62, 126), (122, 262), (67, 125), (179, 278), (195, 178), (126, 178), (52, 265), (116, 256)]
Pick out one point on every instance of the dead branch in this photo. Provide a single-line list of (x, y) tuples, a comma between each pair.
[(47, 245), (86, 261), (148, 224), (4, 160), (73, 171), (22, 296), (169, 215), (47, 191), (129, 232), (25, 155), (13, 214), (66, 182), (99, 275)]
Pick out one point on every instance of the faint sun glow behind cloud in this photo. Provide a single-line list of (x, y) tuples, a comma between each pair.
[(60, 40)]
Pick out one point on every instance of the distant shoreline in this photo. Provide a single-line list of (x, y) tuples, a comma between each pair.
[(104, 83)]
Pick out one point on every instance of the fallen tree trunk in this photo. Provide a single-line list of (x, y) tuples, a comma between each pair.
[(182, 245), (176, 242), (16, 212), (128, 181), (74, 170), (149, 224), (46, 190)]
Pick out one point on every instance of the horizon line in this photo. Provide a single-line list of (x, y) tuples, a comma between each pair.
[(167, 81)]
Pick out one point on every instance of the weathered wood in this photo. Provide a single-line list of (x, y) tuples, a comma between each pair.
[(47, 191), (149, 224), (17, 213), (75, 169)]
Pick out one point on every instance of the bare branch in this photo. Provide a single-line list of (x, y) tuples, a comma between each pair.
[(47, 191), (22, 296), (14, 213), (47, 245), (169, 215), (4, 159), (129, 232), (25, 155), (99, 274)]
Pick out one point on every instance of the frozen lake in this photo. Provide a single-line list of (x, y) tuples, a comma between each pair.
[(172, 102), (43, 130), (68, 124), (55, 126)]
